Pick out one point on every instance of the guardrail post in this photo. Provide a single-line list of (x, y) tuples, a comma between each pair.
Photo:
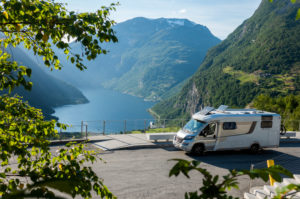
[(103, 127), (60, 133), (86, 131), (144, 126), (124, 126)]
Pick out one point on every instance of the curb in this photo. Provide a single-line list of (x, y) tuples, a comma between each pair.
[(286, 140), (146, 146), (152, 145), (60, 142)]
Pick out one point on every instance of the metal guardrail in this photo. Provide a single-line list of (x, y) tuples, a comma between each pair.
[(84, 129)]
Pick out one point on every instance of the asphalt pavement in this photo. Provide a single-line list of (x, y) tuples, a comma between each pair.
[(135, 167)]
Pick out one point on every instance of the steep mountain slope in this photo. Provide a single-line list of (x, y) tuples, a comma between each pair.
[(47, 92), (260, 56), (151, 57)]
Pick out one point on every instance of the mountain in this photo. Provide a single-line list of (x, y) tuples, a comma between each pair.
[(152, 57), (47, 92), (260, 57)]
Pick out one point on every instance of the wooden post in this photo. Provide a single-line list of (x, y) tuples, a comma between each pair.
[(271, 163), (103, 127)]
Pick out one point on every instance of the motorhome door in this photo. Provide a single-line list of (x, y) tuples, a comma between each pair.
[(208, 136)]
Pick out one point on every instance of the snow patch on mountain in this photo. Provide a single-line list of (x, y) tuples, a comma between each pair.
[(179, 22)]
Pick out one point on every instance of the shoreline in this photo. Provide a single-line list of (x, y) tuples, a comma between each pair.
[(154, 114)]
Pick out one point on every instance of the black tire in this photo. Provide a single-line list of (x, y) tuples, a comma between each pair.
[(198, 149), (254, 149), (282, 129)]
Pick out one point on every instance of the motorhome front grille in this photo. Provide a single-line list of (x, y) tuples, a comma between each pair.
[(179, 140)]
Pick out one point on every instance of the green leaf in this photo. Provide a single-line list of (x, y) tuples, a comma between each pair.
[(65, 186), (298, 14)]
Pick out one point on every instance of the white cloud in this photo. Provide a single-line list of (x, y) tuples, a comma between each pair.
[(182, 11)]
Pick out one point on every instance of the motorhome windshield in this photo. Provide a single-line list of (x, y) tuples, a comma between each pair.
[(194, 126)]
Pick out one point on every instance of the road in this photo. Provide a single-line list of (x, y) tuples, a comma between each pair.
[(143, 173)]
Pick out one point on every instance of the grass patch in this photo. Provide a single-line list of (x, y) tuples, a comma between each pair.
[(241, 75), (157, 130)]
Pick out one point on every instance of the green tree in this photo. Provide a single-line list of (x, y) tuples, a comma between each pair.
[(287, 106), (41, 25)]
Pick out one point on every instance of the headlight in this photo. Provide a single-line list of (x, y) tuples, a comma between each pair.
[(189, 137)]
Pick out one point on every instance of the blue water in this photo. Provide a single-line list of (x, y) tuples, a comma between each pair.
[(109, 106)]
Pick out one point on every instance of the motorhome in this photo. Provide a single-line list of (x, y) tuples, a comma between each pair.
[(227, 129)]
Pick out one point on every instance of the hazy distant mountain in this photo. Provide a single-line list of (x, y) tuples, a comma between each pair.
[(260, 56), (47, 91), (152, 57)]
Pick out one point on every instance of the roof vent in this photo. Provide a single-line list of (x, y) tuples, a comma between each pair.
[(222, 108), (206, 110)]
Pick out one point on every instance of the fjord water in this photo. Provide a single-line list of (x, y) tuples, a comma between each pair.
[(108, 105)]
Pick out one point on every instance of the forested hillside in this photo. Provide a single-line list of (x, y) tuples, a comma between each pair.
[(47, 91), (152, 57), (260, 56)]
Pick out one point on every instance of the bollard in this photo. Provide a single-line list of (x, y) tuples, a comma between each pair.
[(271, 163)]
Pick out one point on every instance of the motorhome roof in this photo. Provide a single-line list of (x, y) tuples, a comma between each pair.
[(230, 113)]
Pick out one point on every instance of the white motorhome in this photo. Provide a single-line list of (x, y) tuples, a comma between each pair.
[(226, 129)]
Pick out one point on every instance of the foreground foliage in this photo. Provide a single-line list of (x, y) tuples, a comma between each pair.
[(217, 187), (28, 167)]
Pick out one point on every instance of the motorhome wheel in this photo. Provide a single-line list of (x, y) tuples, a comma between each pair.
[(198, 149), (254, 148)]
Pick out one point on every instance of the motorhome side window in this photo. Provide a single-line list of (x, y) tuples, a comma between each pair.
[(229, 125), (266, 121), (236, 128)]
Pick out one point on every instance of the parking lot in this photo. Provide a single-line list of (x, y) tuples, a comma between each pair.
[(143, 173)]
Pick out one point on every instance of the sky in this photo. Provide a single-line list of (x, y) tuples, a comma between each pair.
[(220, 16)]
